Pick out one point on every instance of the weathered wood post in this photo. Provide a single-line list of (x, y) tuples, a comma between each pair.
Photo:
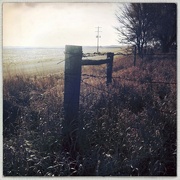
[(135, 55), (73, 58), (110, 56)]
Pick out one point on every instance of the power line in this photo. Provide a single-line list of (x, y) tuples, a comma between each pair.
[(98, 36)]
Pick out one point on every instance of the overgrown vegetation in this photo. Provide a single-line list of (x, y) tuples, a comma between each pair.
[(128, 128)]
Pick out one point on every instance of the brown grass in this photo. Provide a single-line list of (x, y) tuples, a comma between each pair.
[(129, 127)]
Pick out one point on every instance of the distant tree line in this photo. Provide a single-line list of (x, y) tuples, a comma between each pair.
[(148, 25)]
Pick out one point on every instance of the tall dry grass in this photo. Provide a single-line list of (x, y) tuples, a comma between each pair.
[(127, 128)]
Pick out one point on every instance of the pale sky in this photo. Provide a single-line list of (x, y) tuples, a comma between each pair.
[(59, 24)]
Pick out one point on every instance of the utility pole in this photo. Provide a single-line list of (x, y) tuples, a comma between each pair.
[(98, 36)]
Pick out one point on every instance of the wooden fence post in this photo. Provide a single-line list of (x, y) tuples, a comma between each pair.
[(135, 55), (110, 56), (73, 58)]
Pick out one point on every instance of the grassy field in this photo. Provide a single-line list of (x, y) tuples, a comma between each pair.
[(129, 128)]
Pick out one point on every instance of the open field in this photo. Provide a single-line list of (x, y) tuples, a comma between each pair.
[(41, 62), (129, 128)]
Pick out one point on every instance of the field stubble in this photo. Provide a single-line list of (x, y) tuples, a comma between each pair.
[(128, 128)]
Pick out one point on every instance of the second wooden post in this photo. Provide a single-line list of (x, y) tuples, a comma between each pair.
[(110, 56)]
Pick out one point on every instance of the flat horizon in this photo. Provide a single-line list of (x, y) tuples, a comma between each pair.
[(57, 46)]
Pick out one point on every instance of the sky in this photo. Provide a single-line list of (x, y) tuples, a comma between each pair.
[(59, 24)]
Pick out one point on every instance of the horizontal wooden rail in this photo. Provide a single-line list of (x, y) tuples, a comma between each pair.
[(94, 62)]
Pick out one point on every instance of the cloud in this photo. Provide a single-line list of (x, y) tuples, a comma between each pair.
[(57, 23)]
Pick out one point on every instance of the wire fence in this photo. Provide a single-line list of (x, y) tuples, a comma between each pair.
[(101, 95), (150, 81), (87, 76), (138, 82), (97, 93), (90, 90)]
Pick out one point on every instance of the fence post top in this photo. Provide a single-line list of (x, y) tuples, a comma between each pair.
[(73, 49), (110, 54)]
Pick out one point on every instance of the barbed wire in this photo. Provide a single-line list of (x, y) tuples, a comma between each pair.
[(87, 76), (103, 90), (144, 82), (94, 76), (107, 89), (133, 80), (61, 61), (90, 85)]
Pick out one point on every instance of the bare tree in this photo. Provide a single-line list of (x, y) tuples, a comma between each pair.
[(134, 25), (142, 24)]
